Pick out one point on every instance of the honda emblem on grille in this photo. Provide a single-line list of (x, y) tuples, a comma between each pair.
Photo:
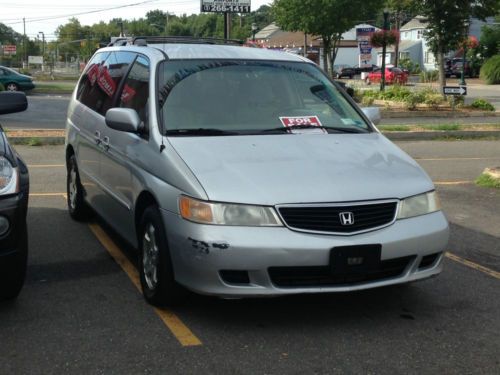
[(346, 218)]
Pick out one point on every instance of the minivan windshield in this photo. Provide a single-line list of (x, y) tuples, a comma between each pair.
[(232, 97)]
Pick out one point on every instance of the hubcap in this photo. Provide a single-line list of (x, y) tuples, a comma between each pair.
[(11, 87), (150, 257), (72, 188)]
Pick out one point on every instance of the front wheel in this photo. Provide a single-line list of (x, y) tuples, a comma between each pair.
[(12, 87), (155, 265), (77, 207), (13, 269)]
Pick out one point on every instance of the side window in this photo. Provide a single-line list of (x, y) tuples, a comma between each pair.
[(135, 93), (103, 78), (87, 87)]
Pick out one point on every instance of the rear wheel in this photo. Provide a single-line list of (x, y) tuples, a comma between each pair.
[(77, 207), (155, 265), (13, 269), (12, 87)]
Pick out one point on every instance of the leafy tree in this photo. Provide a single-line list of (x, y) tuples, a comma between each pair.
[(326, 18), (490, 41), (401, 11), (447, 23)]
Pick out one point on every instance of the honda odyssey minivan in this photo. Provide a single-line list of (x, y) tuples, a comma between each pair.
[(244, 172)]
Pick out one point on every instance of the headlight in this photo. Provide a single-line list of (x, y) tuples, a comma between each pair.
[(227, 214), (419, 205), (8, 177)]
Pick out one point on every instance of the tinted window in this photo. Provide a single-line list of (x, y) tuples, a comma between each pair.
[(135, 93), (101, 80), (250, 96)]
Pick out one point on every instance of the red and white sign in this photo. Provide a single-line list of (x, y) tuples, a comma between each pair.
[(105, 81), (92, 74), (302, 121), (9, 49), (127, 94)]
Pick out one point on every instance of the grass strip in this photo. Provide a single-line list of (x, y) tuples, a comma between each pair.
[(487, 180)]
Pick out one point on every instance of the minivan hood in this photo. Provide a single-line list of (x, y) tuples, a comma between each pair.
[(301, 168)]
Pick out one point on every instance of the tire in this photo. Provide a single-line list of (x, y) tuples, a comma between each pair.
[(13, 269), (77, 208), (155, 265), (11, 87)]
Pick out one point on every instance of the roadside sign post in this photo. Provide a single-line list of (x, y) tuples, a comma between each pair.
[(454, 91)]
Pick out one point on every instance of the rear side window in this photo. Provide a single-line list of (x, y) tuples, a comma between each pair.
[(135, 93), (102, 78)]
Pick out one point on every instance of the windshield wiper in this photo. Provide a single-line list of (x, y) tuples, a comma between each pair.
[(339, 129), (200, 131)]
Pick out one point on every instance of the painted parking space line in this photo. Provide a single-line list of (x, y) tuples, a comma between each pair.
[(181, 332), (464, 182), (30, 166), (63, 195), (473, 265), (456, 159)]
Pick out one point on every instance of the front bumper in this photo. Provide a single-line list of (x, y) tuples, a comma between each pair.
[(200, 252), (14, 209)]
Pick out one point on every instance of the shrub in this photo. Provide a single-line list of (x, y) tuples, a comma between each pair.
[(411, 102), (490, 71), (429, 76), (482, 104), (433, 100), (413, 67), (367, 100)]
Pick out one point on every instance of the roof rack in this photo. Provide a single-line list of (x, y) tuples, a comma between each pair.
[(144, 40)]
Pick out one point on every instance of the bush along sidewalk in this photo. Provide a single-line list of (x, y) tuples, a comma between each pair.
[(425, 99)]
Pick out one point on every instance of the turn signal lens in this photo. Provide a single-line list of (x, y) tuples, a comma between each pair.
[(195, 210)]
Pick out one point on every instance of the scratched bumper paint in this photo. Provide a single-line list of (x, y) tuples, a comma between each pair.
[(200, 252)]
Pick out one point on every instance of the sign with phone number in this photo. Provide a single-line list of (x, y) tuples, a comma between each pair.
[(229, 6)]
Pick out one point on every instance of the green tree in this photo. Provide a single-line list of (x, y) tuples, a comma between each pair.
[(490, 41), (401, 11), (447, 24), (326, 18)]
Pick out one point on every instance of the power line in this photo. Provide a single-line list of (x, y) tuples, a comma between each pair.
[(81, 13)]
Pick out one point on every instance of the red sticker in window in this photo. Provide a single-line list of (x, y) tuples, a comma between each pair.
[(127, 94), (92, 74), (105, 82), (303, 121)]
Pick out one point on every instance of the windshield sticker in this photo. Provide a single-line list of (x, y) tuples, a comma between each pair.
[(299, 121), (105, 81)]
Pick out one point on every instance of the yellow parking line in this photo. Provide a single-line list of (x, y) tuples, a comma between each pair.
[(452, 182), (172, 321), (476, 266), (48, 195), (449, 159), (45, 166)]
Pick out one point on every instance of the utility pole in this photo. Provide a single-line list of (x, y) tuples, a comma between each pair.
[(24, 41), (384, 51)]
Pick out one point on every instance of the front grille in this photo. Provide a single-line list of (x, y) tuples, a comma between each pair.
[(322, 276), (327, 218)]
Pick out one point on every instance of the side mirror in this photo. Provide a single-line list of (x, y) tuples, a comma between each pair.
[(123, 119), (12, 102), (373, 114)]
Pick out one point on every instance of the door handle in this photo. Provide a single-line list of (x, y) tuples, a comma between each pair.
[(97, 137), (105, 143)]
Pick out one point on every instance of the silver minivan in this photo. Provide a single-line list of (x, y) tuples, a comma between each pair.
[(244, 172)]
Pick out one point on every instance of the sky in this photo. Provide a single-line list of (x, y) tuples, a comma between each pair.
[(37, 13)]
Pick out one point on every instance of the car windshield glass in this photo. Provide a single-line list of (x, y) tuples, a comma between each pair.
[(250, 97)]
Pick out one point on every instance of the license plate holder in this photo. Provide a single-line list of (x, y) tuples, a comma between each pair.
[(348, 260)]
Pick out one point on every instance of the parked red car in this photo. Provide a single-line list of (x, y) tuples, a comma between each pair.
[(392, 75)]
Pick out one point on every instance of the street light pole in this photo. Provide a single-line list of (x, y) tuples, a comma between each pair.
[(43, 49), (384, 51), (254, 31)]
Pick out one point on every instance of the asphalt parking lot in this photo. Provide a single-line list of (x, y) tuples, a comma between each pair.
[(80, 310)]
